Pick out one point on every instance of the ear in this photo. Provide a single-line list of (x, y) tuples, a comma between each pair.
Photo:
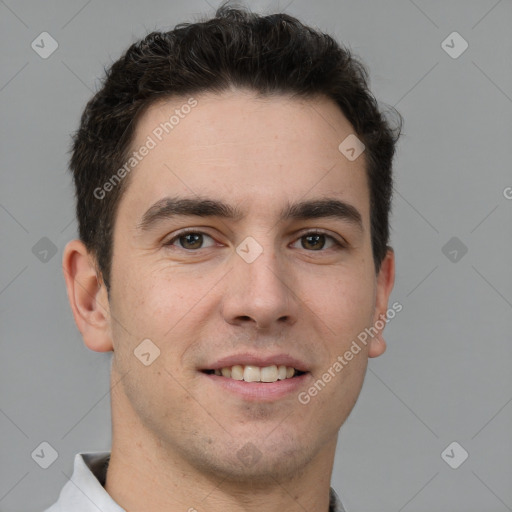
[(385, 282), (87, 296)]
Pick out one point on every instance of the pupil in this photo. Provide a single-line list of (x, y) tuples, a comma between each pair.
[(309, 237), (189, 236)]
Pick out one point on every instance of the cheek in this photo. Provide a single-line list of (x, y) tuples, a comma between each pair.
[(155, 308), (161, 305), (346, 305)]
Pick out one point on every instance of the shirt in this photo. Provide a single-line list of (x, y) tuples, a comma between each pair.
[(84, 492)]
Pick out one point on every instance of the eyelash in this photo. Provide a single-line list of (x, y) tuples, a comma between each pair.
[(339, 245)]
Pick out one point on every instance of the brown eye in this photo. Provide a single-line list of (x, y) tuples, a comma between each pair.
[(316, 241), (191, 240)]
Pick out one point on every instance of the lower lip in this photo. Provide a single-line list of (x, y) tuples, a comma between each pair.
[(260, 391)]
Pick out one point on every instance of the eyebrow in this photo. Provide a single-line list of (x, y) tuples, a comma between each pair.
[(170, 207)]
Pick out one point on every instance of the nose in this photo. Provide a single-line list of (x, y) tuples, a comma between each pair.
[(260, 293)]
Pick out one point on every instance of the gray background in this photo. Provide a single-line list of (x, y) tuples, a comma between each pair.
[(446, 375)]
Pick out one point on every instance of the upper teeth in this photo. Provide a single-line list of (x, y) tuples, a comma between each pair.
[(251, 373)]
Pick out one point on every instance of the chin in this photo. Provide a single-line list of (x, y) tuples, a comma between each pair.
[(253, 462)]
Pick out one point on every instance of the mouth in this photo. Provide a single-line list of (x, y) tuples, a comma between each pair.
[(252, 373), (261, 384), (257, 377)]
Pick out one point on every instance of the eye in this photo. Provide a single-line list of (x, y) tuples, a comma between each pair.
[(317, 240), (312, 240), (190, 240)]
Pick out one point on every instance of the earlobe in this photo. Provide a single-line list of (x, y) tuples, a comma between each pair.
[(87, 296), (385, 282), (377, 346)]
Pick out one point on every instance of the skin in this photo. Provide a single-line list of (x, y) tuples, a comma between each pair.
[(176, 435)]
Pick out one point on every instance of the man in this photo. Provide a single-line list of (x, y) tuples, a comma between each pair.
[(233, 182)]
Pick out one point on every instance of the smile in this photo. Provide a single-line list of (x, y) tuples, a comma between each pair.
[(251, 373)]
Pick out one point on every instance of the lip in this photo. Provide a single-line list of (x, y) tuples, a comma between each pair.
[(248, 358), (259, 391)]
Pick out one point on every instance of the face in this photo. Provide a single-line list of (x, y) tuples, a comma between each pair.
[(273, 283)]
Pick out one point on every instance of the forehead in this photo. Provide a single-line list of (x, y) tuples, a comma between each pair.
[(245, 150)]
